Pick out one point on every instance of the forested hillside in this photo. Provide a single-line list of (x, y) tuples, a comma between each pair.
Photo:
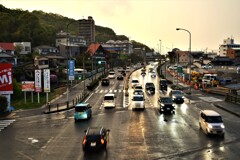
[(40, 28)]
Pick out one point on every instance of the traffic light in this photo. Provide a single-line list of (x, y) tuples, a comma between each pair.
[(80, 77), (99, 62), (179, 69)]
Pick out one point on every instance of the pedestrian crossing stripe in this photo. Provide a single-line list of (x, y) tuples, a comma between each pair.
[(109, 91), (5, 123)]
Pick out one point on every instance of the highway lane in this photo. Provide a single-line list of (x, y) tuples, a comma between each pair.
[(134, 134)]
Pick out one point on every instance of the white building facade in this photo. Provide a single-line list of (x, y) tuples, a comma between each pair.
[(227, 43)]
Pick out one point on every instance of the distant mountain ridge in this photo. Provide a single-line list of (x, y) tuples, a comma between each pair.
[(40, 28)]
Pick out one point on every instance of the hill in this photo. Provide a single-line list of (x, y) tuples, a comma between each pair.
[(40, 28)]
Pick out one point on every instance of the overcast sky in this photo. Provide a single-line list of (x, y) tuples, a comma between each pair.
[(149, 21)]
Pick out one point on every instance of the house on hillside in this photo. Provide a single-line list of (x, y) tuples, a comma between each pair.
[(44, 49), (50, 61), (183, 57), (8, 58), (8, 48), (24, 46)]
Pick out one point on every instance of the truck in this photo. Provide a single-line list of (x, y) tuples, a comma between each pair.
[(210, 79)]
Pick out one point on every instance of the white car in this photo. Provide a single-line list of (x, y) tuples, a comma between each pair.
[(109, 100), (134, 82), (111, 75), (211, 122), (128, 69), (138, 102), (153, 74)]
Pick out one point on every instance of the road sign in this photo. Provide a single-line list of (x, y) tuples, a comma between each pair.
[(71, 65)]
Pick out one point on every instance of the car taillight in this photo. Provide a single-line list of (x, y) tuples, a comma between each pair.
[(84, 140), (102, 140)]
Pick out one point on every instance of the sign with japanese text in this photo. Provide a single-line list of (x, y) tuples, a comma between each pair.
[(46, 76), (6, 86), (27, 86), (38, 86), (71, 65)]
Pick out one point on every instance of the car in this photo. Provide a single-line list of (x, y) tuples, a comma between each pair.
[(153, 74), (128, 69), (207, 67), (111, 75), (177, 96), (163, 85), (138, 86), (120, 77), (138, 92), (134, 82), (120, 69), (166, 105), (95, 138), (82, 111), (211, 122), (138, 102), (150, 88), (109, 100), (123, 73), (105, 82)]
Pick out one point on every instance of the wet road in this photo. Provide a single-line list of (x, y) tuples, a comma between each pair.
[(142, 135)]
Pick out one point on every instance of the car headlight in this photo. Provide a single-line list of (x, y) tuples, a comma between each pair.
[(174, 97), (222, 126), (210, 126)]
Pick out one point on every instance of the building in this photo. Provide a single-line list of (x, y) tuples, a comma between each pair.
[(123, 47), (227, 43), (233, 53), (183, 57), (44, 49), (69, 45), (24, 46), (87, 29), (8, 48)]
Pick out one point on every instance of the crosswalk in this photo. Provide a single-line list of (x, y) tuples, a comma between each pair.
[(5, 123), (210, 99), (110, 91)]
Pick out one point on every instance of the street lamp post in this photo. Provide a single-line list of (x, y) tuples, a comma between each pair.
[(189, 55)]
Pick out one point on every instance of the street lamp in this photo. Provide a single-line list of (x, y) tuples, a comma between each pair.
[(189, 55), (160, 46)]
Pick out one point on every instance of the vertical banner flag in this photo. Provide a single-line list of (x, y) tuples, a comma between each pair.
[(6, 86), (71, 66), (46, 75), (38, 86)]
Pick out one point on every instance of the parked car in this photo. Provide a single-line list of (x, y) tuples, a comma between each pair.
[(177, 96), (150, 88), (95, 138), (166, 105), (211, 122), (105, 82), (82, 111)]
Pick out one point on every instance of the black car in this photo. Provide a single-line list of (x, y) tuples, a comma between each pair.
[(177, 96), (95, 138), (150, 88), (166, 105), (163, 85), (120, 77), (123, 72), (105, 82)]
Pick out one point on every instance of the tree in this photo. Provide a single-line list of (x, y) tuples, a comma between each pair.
[(3, 103)]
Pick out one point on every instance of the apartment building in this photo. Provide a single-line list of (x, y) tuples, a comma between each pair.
[(87, 29), (227, 43)]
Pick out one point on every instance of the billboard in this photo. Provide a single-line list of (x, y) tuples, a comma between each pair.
[(38, 86), (6, 86), (27, 86), (46, 76)]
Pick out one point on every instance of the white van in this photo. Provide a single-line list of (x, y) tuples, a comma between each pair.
[(109, 100), (211, 122)]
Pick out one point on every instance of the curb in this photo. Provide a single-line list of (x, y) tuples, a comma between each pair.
[(229, 111)]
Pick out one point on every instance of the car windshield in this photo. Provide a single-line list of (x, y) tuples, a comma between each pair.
[(214, 119), (177, 92), (134, 81), (108, 98), (80, 109), (166, 100), (111, 73), (138, 98)]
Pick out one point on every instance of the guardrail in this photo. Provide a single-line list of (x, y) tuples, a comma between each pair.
[(232, 98)]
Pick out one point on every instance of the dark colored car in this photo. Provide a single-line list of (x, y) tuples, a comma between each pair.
[(177, 96), (150, 88), (163, 85), (95, 138), (166, 105), (123, 72), (105, 82), (120, 77)]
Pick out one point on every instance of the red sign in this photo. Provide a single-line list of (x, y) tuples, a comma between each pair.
[(6, 86), (27, 85)]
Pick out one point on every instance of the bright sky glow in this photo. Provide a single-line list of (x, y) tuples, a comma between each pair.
[(149, 21)]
